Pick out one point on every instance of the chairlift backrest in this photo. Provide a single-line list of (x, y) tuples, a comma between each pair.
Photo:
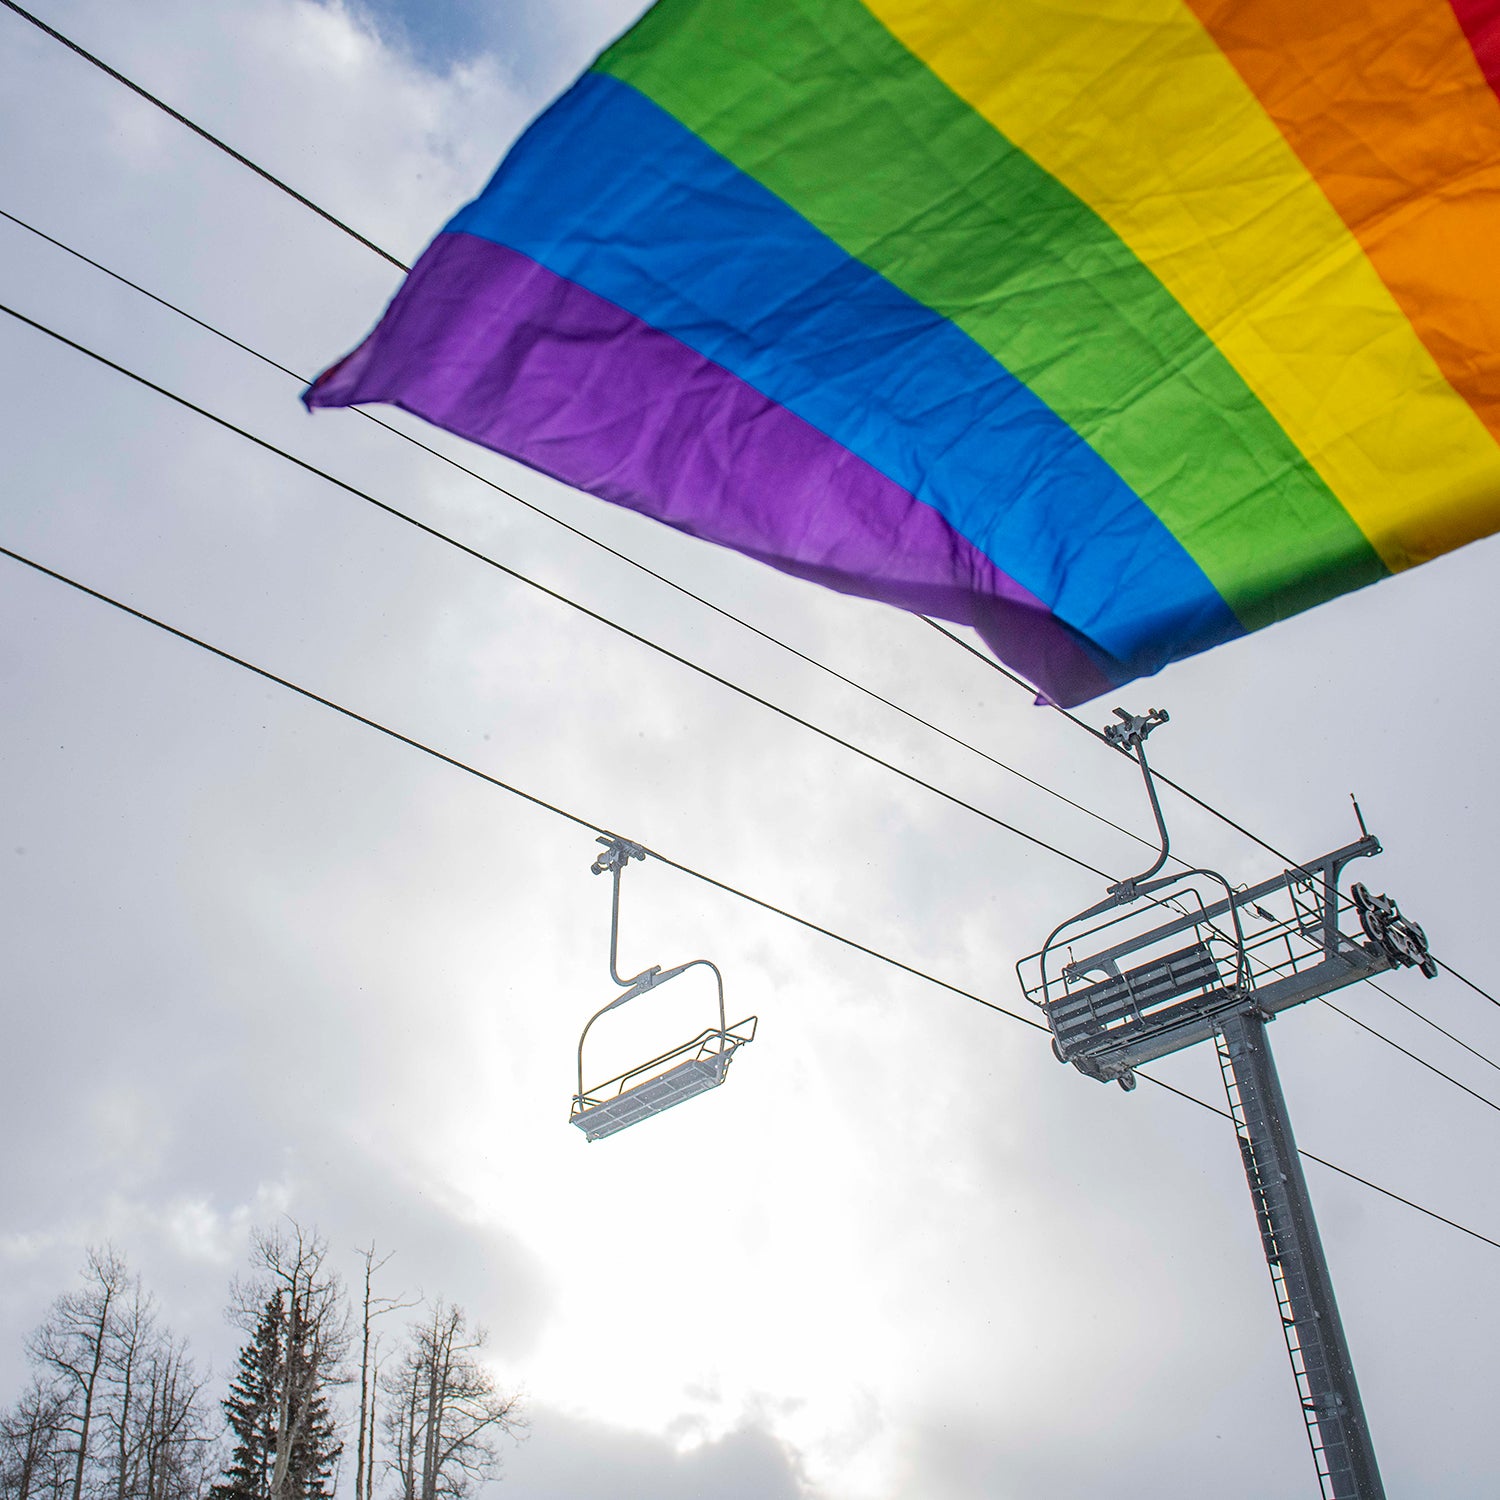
[(1133, 995), (1137, 964)]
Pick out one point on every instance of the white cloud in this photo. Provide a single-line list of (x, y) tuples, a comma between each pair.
[(267, 962)]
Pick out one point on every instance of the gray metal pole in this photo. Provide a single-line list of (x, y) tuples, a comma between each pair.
[(1331, 1407)]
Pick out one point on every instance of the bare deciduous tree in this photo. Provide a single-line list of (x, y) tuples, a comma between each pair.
[(371, 1308), (72, 1345), (115, 1411), (33, 1464), (444, 1416), (128, 1349), (167, 1438)]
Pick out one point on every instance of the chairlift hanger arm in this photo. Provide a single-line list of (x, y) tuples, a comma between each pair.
[(1130, 735), (617, 854)]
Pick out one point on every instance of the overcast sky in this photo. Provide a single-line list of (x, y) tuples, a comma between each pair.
[(261, 960)]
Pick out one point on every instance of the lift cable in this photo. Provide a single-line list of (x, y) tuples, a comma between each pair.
[(1454, 972), (996, 665), (1322, 1161), (198, 130), (582, 822), (552, 593), (401, 265), (323, 213), (557, 520), (1365, 1026), (504, 786), (1428, 1021), (603, 619), (993, 663)]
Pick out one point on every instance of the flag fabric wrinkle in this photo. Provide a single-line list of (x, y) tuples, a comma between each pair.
[(1113, 332)]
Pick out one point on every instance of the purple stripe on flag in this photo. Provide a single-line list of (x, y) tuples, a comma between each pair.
[(487, 344)]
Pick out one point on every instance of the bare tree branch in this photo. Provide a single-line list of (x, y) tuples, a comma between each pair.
[(444, 1414), (372, 1307), (72, 1343)]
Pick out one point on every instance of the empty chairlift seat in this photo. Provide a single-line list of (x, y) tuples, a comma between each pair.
[(672, 1078), (1109, 1012), (682, 1072)]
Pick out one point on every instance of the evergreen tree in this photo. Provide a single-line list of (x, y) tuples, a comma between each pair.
[(250, 1410), (261, 1400), (315, 1452)]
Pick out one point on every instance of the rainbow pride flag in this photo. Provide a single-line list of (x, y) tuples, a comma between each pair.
[(1114, 330)]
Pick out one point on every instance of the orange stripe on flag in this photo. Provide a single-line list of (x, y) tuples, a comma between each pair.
[(1388, 109)]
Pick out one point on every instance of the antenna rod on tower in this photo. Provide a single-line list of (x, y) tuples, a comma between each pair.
[(1358, 814)]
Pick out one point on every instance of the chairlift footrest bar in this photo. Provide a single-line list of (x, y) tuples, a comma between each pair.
[(686, 1081)]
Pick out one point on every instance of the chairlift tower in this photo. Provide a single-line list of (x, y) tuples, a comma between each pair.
[(1165, 961)]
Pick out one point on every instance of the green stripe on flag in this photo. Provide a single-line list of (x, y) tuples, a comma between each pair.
[(817, 101)]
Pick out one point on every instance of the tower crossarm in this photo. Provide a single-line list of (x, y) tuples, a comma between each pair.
[(1143, 974)]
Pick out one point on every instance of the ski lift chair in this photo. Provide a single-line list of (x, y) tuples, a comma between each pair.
[(682, 1072), (1128, 979), (1183, 956), (1166, 957)]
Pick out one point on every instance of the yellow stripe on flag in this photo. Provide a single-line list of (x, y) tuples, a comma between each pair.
[(1133, 108)]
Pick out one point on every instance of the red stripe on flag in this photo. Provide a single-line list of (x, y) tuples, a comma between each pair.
[(1480, 20)]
